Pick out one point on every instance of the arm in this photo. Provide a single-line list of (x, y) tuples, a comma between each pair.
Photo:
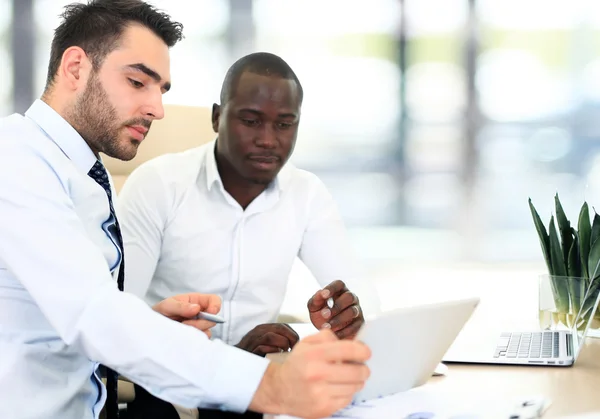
[(327, 253), (143, 206), (46, 247)]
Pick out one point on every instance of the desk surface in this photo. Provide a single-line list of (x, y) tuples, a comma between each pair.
[(572, 390)]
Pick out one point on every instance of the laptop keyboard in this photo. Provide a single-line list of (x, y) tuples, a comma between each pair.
[(527, 345)]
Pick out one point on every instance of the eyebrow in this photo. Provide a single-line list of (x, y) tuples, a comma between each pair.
[(256, 112), (149, 72)]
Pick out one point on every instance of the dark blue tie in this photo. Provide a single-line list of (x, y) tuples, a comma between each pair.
[(99, 174)]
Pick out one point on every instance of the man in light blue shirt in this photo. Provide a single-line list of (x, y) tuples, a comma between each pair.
[(61, 309)]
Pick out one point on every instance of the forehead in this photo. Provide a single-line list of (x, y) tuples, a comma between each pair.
[(140, 45), (259, 90)]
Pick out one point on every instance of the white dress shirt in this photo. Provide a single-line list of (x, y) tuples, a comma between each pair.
[(60, 310), (183, 232)]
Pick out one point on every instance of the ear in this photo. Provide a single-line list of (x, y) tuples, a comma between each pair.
[(75, 68), (216, 115)]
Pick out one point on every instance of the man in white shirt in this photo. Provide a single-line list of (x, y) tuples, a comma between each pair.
[(61, 310), (231, 216)]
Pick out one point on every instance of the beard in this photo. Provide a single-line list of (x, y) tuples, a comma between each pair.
[(95, 118)]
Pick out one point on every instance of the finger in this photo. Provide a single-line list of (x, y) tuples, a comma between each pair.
[(214, 304), (319, 300), (210, 303), (346, 373), (208, 333), (334, 289), (267, 331), (266, 349), (344, 318), (177, 309), (316, 302), (291, 335), (342, 302), (345, 400), (202, 325), (345, 351), (323, 336), (345, 390), (275, 340), (350, 331)]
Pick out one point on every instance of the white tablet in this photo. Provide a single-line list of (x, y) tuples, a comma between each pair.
[(408, 343)]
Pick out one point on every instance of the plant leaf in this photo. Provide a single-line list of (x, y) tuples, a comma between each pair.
[(543, 236), (564, 227), (574, 261), (558, 263), (594, 261), (590, 297), (561, 289), (585, 230), (595, 230), (576, 283)]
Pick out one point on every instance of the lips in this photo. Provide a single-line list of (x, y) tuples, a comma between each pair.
[(265, 159), (138, 132), (264, 162)]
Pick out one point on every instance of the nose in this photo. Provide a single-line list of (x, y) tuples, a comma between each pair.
[(153, 108), (267, 137)]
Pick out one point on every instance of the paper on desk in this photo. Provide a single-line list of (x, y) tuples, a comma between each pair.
[(423, 403)]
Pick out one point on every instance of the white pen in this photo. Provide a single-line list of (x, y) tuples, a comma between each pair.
[(210, 317)]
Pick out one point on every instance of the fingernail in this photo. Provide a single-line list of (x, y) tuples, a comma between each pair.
[(325, 293), (326, 326), (194, 305), (326, 313)]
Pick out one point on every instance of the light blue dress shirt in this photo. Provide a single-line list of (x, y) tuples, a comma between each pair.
[(61, 313)]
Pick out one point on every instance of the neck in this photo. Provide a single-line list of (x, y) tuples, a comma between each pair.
[(65, 110), (240, 189)]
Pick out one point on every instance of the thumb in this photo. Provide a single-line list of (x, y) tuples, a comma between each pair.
[(323, 336)]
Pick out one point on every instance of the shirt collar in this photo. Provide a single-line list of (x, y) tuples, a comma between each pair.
[(63, 134), (212, 173)]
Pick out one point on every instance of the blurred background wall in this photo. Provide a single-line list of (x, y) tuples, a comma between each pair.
[(431, 121)]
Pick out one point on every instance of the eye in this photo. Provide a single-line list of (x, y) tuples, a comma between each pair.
[(284, 125), (136, 83), (250, 122)]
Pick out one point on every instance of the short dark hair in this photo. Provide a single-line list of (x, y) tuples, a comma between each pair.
[(262, 63), (97, 27)]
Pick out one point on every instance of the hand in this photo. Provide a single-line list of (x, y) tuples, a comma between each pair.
[(320, 376), (345, 317), (184, 307), (268, 338)]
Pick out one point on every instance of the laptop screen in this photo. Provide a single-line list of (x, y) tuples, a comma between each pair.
[(584, 318)]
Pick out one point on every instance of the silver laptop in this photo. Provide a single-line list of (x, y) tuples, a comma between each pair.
[(551, 348)]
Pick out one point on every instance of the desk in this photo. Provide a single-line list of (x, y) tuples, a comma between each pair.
[(573, 390)]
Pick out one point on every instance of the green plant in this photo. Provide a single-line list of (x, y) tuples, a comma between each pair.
[(571, 253)]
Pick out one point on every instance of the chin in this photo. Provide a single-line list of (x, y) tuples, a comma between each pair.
[(125, 153), (262, 180)]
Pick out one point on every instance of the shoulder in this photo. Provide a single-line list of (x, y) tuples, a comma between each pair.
[(301, 182), (26, 150), (172, 169)]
